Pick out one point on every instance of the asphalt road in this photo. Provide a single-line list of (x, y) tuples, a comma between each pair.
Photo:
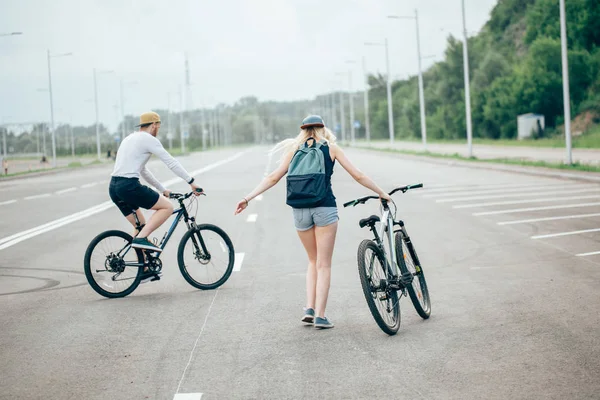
[(512, 262)]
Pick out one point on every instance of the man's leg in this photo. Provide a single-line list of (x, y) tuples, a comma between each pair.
[(131, 219), (164, 209)]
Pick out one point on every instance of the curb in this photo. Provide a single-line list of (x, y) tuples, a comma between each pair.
[(527, 170), (51, 171)]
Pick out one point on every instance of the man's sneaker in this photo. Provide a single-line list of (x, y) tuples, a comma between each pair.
[(144, 243), (323, 323), (150, 277), (309, 316)]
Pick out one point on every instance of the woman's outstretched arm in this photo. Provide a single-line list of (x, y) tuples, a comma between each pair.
[(267, 183)]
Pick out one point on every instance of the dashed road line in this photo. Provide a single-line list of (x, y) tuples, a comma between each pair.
[(252, 218), (539, 200), (552, 235), (7, 202), (239, 260), (520, 210), (504, 195), (71, 189), (526, 221), (37, 196), (593, 253)]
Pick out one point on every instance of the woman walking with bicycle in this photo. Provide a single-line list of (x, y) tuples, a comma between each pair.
[(309, 159)]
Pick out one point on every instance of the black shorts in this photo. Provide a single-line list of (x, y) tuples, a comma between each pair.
[(129, 194)]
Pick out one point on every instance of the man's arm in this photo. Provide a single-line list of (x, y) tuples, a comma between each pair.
[(157, 149), (149, 177)]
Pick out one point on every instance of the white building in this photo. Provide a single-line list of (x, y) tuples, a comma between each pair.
[(529, 123)]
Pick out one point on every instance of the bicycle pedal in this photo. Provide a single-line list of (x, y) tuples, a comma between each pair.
[(384, 297)]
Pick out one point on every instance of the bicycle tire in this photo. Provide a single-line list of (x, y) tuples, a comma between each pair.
[(183, 268), (415, 293), (365, 280), (88, 268)]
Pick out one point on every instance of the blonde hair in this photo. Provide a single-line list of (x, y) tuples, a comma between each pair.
[(293, 144)]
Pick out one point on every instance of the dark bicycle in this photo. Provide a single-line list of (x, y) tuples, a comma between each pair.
[(205, 256), (385, 273)]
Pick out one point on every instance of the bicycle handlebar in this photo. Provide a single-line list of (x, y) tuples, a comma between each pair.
[(184, 196), (363, 200)]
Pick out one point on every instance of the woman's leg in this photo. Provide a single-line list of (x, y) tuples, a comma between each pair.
[(310, 245), (325, 239)]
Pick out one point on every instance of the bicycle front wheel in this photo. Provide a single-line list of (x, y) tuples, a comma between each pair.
[(418, 292), (382, 300), (112, 267), (205, 257)]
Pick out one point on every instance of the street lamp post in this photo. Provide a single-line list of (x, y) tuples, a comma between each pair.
[(52, 104), (389, 88), (565, 74), (96, 108), (366, 101), (351, 102), (342, 113), (467, 86), (4, 136), (421, 91)]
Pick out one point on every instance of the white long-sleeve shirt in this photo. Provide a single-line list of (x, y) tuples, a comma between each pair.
[(135, 151)]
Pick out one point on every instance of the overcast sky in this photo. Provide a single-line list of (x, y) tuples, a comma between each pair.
[(272, 49)]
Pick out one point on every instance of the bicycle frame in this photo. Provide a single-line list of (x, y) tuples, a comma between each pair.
[(387, 229), (180, 212)]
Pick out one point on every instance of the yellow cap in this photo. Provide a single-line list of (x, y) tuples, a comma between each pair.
[(149, 118)]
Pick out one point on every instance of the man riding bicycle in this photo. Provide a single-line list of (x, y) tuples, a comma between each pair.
[(125, 188)]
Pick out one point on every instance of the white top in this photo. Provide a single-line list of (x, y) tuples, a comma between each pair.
[(135, 151)]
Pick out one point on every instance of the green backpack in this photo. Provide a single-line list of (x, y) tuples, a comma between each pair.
[(306, 179)]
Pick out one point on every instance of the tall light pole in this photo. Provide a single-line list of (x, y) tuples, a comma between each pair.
[(96, 108), (565, 74), (52, 104), (366, 101), (421, 91), (122, 86), (389, 88), (351, 102), (467, 86), (4, 136)]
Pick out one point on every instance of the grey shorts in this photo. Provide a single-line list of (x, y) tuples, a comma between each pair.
[(306, 218)]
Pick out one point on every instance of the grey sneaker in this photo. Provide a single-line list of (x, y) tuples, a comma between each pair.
[(144, 243), (323, 323), (309, 315)]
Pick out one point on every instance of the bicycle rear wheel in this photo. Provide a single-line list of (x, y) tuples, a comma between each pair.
[(418, 292), (383, 301), (108, 264), (205, 257)]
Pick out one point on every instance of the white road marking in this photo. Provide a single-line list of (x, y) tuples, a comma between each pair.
[(526, 221), (29, 233), (7, 202), (252, 218), (89, 185), (499, 189), (188, 396), (71, 189), (539, 200), (196, 343), (565, 233), (259, 197), (239, 259), (502, 186), (505, 195), (593, 253), (37, 196), (519, 210)]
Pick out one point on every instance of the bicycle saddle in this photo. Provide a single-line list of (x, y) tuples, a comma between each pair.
[(368, 221)]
